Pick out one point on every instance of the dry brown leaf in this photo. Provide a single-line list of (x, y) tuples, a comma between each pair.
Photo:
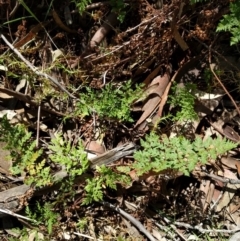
[(202, 108), (227, 174), (229, 193), (150, 90), (227, 131), (157, 235), (209, 196), (217, 191), (235, 237), (154, 99), (33, 234), (95, 147), (231, 134), (130, 206), (230, 162), (227, 196), (33, 32), (238, 168), (152, 75)]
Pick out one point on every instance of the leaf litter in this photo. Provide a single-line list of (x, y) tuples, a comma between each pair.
[(149, 43)]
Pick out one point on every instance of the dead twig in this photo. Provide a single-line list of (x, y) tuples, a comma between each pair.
[(34, 69), (17, 4), (140, 24), (29, 100), (133, 220), (202, 230), (9, 212), (174, 228), (38, 125), (85, 236), (220, 82), (108, 53), (221, 179)]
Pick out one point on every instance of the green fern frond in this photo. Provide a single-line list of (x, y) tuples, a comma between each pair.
[(24, 155), (231, 23), (177, 153)]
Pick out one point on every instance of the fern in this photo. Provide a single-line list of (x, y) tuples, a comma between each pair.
[(118, 6), (110, 177), (81, 4), (231, 23), (177, 153), (183, 99), (73, 159), (24, 155), (105, 178), (43, 215), (93, 191), (110, 102)]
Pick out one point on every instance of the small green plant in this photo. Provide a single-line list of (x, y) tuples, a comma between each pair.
[(183, 98), (72, 159), (177, 153), (81, 4), (118, 6), (24, 155), (82, 224), (231, 22), (21, 234), (110, 102), (43, 215), (106, 177)]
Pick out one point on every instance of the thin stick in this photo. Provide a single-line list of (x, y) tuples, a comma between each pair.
[(220, 82), (38, 125), (142, 23), (174, 228), (7, 211), (14, 9), (221, 179), (85, 236), (200, 229), (133, 220), (34, 69)]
